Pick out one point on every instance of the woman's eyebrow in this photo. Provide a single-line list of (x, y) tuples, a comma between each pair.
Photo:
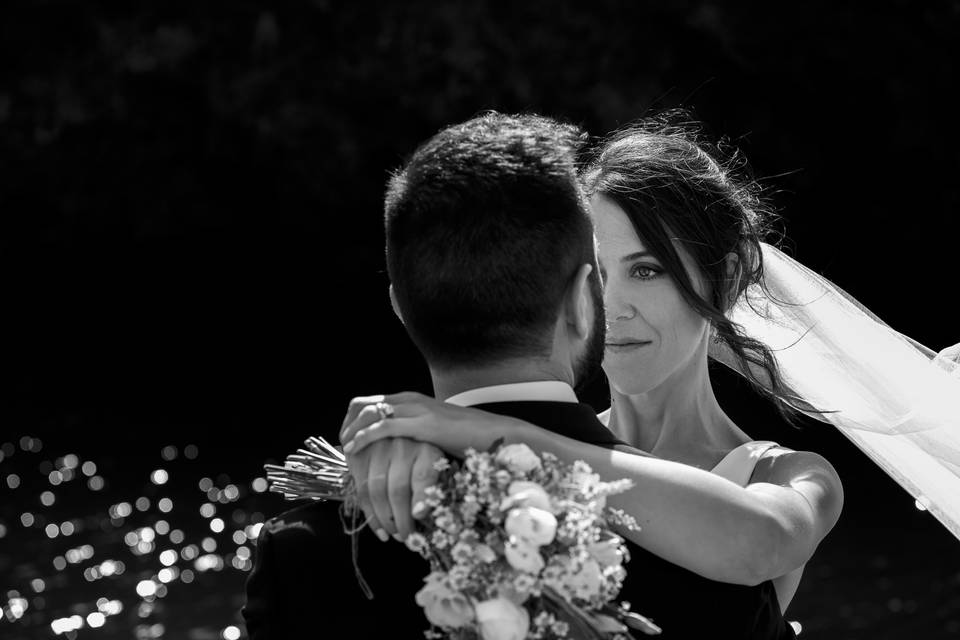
[(636, 256)]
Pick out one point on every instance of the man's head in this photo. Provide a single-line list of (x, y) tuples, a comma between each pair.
[(490, 247)]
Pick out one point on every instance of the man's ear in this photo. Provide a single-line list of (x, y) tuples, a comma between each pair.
[(578, 304), (396, 307)]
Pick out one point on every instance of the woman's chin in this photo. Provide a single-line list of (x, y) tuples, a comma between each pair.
[(627, 381)]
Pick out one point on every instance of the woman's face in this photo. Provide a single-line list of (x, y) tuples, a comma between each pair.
[(652, 333)]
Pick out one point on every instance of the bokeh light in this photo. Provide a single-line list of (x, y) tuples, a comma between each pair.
[(168, 557), (64, 593), (146, 588), (96, 619)]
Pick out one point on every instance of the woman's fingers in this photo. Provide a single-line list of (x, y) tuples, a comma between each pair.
[(364, 417), (388, 428), (367, 405), (357, 405), (371, 415)]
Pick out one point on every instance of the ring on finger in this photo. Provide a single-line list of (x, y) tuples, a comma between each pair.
[(385, 410)]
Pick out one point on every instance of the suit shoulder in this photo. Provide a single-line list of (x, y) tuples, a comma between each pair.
[(307, 518)]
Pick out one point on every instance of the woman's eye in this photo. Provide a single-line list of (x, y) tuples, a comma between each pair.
[(644, 272)]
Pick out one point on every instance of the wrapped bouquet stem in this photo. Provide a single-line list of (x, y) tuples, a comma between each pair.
[(519, 545)]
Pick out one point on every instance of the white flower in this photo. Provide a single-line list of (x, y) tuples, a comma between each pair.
[(524, 583), (535, 526), (607, 552), (485, 554), (523, 556), (585, 583), (500, 619), (519, 458), (416, 542), (524, 493), (461, 552), (443, 606), (557, 576)]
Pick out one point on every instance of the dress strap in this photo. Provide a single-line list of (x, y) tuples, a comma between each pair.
[(738, 465)]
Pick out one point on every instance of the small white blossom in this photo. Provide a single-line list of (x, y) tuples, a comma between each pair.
[(501, 619), (442, 605), (461, 552), (523, 493), (535, 526), (416, 542), (518, 458), (523, 556)]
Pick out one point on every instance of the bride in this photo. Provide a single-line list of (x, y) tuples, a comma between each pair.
[(683, 263)]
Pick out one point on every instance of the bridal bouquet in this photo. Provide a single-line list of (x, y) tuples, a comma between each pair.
[(519, 544)]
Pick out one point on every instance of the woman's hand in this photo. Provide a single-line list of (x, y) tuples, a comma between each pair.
[(452, 428)]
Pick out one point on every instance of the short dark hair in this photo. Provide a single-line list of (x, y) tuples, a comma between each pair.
[(486, 225), (673, 183)]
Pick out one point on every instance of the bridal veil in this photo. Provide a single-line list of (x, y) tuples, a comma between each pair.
[(898, 401)]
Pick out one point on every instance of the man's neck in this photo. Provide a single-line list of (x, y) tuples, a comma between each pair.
[(450, 382)]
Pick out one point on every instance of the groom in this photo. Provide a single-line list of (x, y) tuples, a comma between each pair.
[(493, 269)]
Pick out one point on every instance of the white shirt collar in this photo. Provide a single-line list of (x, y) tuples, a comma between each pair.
[(541, 390)]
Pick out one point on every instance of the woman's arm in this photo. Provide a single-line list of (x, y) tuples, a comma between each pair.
[(706, 523), (687, 516)]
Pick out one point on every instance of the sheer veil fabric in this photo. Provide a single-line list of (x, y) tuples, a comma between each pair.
[(897, 400)]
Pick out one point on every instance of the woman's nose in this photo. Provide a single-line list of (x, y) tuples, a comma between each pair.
[(618, 309)]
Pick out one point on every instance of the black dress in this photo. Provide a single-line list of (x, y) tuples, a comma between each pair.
[(303, 586)]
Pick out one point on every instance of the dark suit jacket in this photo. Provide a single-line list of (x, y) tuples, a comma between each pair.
[(303, 584)]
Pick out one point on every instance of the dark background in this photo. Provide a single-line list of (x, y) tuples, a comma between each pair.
[(192, 244)]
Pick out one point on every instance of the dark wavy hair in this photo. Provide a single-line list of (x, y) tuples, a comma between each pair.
[(486, 225), (674, 184)]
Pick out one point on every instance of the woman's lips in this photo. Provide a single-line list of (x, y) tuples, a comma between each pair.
[(624, 346)]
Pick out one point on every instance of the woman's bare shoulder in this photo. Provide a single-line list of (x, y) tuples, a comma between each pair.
[(783, 466)]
